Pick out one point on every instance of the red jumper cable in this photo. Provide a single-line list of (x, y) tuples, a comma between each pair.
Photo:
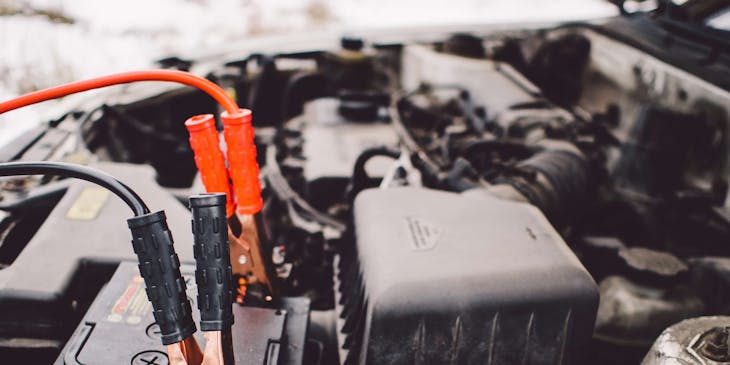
[(243, 198)]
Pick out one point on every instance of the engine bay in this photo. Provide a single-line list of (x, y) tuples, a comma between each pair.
[(534, 196)]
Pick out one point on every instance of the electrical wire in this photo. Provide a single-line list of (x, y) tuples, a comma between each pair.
[(281, 188), (123, 78), (80, 143), (80, 172)]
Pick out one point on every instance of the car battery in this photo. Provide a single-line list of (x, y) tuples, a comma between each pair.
[(119, 327)]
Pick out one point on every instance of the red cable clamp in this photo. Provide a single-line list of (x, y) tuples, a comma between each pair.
[(242, 165), (208, 156)]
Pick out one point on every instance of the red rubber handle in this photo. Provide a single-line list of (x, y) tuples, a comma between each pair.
[(242, 165), (208, 156)]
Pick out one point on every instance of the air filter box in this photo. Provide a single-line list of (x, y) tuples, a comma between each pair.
[(444, 278)]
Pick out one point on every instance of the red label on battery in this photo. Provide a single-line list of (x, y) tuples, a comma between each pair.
[(132, 305)]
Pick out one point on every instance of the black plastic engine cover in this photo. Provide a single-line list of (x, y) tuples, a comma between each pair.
[(445, 278), (330, 146)]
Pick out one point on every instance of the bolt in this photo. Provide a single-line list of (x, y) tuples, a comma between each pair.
[(242, 259), (713, 344), (278, 255)]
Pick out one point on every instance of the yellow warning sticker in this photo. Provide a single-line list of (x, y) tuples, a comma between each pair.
[(89, 203)]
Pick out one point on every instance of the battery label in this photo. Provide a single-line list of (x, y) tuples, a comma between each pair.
[(132, 306)]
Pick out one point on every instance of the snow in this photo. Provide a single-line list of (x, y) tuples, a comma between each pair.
[(386, 13), (113, 36)]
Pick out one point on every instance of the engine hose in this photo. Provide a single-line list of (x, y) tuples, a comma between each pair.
[(559, 183), (360, 178)]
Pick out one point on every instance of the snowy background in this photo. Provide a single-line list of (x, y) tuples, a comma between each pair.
[(47, 42)]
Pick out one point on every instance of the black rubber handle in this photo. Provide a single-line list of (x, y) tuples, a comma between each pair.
[(213, 261), (160, 268)]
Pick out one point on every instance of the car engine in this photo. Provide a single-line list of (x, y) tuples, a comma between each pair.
[(532, 196)]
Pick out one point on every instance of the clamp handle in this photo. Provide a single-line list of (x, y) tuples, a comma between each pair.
[(213, 272), (242, 165), (160, 269), (209, 157)]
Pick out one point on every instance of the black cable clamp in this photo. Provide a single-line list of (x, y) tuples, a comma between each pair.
[(213, 273)]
